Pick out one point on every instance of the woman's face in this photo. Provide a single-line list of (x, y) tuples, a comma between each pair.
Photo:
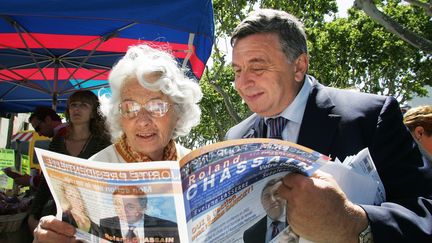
[(80, 112), (145, 133)]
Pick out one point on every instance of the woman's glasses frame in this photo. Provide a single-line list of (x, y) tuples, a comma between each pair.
[(156, 108)]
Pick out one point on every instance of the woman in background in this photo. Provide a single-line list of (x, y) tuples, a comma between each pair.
[(84, 136)]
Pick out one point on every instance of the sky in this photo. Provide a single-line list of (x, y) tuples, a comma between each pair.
[(343, 5)]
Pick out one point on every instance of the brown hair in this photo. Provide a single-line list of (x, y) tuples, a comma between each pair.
[(419, 116), (97, 121)]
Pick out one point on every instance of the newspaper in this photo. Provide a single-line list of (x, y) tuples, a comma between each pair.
[(216, 186)]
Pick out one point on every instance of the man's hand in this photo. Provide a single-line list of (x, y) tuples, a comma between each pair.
[(23, 180), (318, 210), (53, 230)]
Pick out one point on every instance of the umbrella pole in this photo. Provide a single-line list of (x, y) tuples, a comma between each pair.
[(10, 130), (55, 88)]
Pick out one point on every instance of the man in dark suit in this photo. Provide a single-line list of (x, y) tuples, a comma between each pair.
[(132, 224), (270, 61), (274, 221)]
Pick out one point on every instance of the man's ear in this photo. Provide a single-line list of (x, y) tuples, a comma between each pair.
[(301, 65), (418, 132)]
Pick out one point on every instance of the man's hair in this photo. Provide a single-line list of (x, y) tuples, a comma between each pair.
[(419, 116), (42, 112), (132, 191), (290, 30)]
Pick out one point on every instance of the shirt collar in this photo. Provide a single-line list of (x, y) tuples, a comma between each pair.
[(294, 111)]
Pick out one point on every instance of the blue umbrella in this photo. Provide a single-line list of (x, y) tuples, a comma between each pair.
[(49, 49)]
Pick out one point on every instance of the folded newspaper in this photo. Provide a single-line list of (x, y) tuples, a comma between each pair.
[(230, 183)]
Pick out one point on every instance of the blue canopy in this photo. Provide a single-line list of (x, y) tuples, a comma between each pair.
[(49, 49)]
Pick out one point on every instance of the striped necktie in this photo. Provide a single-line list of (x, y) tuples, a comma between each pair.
[(275, 229), (131, 236), (276, 125)]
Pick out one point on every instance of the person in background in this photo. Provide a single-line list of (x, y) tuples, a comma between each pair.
[(152, 103), (419, 122), (85, 135), (46, 122), (270, 61), (274, 222)]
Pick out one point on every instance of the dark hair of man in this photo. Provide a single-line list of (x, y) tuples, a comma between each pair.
[(289, 29), (42, 112)]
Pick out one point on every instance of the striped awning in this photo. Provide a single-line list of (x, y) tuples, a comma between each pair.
[(23, 137)]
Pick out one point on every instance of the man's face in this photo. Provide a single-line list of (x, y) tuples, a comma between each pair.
[(272, 203), (128, 208), (264, 77), (43, 128)]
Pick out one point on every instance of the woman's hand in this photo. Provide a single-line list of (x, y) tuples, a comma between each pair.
[(53, 230)]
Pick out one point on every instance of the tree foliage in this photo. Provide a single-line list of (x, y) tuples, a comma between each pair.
[(359, 53), (354, 52), (383, 13)]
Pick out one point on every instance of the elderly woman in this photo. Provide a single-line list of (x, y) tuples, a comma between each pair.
[(419, 122), (152, 103)]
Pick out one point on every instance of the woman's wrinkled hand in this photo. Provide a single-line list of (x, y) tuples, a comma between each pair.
[(53, 230)]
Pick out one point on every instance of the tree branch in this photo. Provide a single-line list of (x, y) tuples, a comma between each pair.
[(225, 96), (220, 128), (426, 6), (394, 27)]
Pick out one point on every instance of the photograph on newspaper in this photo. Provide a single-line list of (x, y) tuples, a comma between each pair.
[(113, 202), (228, 183), (234, 183)]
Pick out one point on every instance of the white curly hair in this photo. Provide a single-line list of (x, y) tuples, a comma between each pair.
[(141, 62)]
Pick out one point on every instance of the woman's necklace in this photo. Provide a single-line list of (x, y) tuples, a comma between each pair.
[(71, 145), (86, 143)]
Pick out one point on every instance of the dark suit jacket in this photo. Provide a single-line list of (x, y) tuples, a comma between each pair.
[(341, 123), (153, 227), (256, 233)]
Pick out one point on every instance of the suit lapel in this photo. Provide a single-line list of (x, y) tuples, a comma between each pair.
[(319, 125)]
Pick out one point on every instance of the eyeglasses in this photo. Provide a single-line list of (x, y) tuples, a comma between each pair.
[(156, 108), (78, 105)]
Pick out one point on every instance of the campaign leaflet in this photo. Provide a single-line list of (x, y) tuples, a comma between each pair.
[(213, 195), (223, 183)]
